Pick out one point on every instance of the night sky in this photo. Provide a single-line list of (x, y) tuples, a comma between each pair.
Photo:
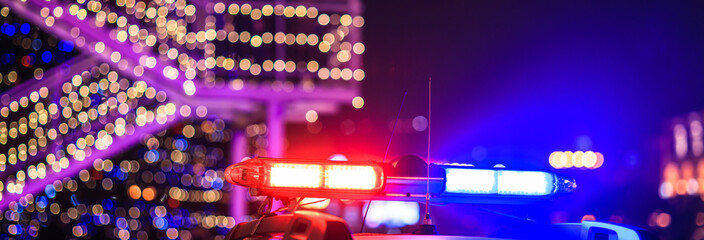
[(534, 76), (514, 81)]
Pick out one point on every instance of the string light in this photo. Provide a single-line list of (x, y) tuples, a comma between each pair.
[(52, 130), (578, 159)]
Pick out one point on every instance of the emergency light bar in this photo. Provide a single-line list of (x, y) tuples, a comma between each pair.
[(372, 181), (297, 178)]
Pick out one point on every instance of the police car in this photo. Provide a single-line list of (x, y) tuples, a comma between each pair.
[(291, 180)]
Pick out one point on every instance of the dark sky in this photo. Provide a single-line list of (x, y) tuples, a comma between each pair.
[(535, 75), (520, 79), (514, 81)]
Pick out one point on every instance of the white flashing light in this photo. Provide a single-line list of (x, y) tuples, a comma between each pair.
[(525, 183), (350, 177), (464, 180), (296, 175), (392, 214), (338, 157)]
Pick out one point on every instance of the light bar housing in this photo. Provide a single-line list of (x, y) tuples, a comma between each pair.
[(448, 183)]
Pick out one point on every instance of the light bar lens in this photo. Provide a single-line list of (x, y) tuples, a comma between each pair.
[(462, 180), (502, 182), (295, 175), (351, 177), (525, 183)]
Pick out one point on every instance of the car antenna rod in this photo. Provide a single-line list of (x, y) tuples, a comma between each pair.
[(427, 228), (426, 220)]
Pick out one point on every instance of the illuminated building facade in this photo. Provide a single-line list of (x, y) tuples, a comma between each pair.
[(118, 117), (682, 180)]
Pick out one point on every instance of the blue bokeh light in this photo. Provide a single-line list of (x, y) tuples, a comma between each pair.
[(66, 46), (121, 223), (217, 184), (181, 144), (42, 202), (107, 204), (8, 29), (46, 56), (160, 223), (24, 28), (18, 227), (50, 191), (74, 200), (36, 44), (8, 58), (151, 156)]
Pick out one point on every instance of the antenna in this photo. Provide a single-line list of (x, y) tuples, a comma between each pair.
[(388, 146), (427, 180), (427, 228)]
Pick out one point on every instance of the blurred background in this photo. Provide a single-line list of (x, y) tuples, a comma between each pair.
[(119, 117)]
